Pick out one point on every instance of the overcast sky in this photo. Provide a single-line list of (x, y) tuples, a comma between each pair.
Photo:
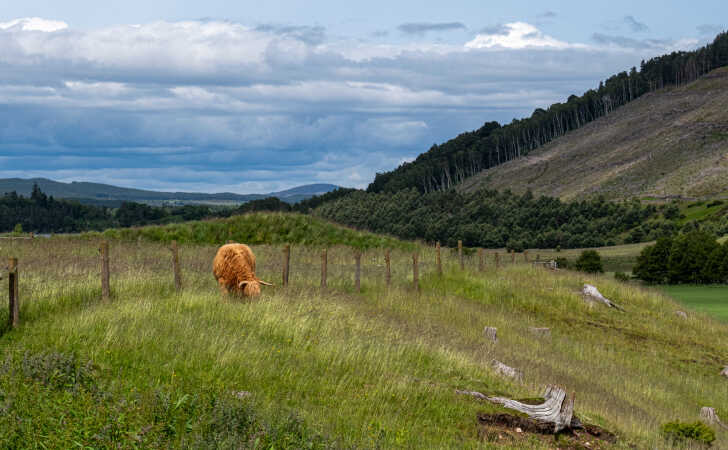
[(261, 96)]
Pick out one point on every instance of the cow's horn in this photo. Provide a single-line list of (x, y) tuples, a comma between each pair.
[(264, 283)]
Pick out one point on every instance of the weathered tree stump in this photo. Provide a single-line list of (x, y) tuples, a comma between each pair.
[(491, 333), (507, 371), (540, 332), (557, 408), (709, 416), (591, 293)]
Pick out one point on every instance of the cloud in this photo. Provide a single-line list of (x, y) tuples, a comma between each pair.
[(313, 35), (657, 45), (34, 24), (634, 25), (215, 105), (516, 35), (420, 28)]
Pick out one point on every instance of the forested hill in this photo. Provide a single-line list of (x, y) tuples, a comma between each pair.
[(449, 164)]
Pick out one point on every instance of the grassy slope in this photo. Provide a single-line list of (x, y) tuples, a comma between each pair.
[(671, 142), (257, 228), (712, 300), (371, 369)]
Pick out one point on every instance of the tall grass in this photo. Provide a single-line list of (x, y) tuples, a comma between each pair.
[(371, 369)]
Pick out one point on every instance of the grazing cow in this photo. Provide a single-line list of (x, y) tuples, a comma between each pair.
[(234, 270)]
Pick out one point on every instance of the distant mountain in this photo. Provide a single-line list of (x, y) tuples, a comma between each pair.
[(97, 193)]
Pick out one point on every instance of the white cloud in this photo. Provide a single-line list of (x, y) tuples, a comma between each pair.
[(34, 24), (517, 35)]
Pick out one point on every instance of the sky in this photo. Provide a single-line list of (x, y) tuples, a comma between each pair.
[(255, 97)]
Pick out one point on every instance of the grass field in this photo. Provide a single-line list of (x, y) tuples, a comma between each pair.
[(712, 300), (375, 369)]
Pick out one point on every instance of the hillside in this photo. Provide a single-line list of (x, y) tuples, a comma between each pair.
[(97, 193), (668, 143), (306, 368)]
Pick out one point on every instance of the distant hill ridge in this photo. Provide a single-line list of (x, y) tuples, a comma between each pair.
[(451, 163), (87, 192)]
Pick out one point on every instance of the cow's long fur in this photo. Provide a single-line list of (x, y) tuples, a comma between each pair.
[(235, 264)]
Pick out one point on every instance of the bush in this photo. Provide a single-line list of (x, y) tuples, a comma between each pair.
[(562, 263), (589, 261), (621, 276), (680, 432)]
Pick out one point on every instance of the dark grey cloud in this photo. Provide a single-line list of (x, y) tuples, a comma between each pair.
[(627, 42), (635, 25), (426, 27), (313, 35)]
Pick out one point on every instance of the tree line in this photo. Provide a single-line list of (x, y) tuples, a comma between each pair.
[(493, 219), (446, 165), (695, 257)]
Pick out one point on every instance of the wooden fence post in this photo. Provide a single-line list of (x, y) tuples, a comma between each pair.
[(175, 267), (438, 258), (357, 273), (324, 268), (286, 263), (497, 262), (105, 286), (13, 297), (387, 260), (415, 273), (513, 256), (460, 255), (525, 256), (481, 260)]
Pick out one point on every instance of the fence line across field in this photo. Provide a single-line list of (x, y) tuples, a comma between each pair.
[(106, 261)]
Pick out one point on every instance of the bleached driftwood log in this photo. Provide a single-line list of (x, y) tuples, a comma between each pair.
[(592, 293), (540, 332), (557, 408), (709, 416), (505, 370), (491, 333)]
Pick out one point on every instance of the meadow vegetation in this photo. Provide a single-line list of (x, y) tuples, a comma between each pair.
[(302, 367)]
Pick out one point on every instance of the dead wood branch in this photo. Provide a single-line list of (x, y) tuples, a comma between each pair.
[(709, 416), (557, 408), (592, 293)]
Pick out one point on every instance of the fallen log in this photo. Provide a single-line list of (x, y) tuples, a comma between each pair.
[(592, 293), (709, 416), (557, 408)]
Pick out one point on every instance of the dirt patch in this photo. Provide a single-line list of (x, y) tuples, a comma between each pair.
[(508, 429)]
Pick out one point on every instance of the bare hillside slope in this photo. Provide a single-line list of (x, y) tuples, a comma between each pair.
[(668, 143)]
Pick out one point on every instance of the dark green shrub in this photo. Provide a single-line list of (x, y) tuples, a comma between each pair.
[(589, 261), (652, 262), (681, 432), (562, 263), (621, 276)]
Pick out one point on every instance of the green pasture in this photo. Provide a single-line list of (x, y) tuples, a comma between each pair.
[(711, 299)]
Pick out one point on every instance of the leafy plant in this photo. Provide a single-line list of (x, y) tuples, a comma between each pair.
[(681, 432)]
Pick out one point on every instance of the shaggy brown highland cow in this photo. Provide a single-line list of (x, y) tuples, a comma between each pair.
[(234, 270)]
